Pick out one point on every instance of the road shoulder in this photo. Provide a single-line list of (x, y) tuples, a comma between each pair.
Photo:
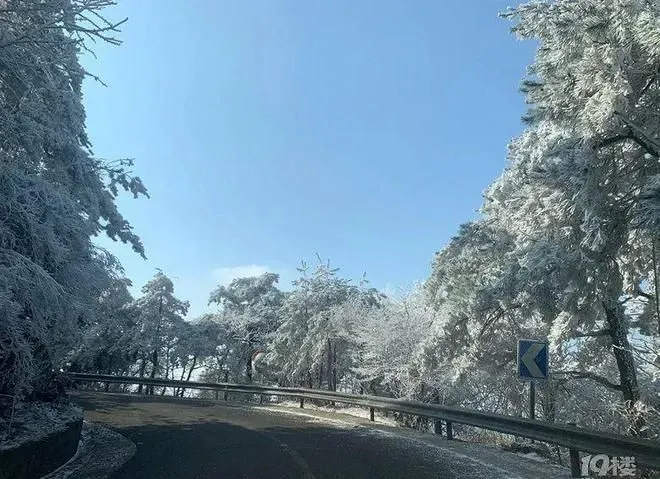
[(101, 452), (488, 457)]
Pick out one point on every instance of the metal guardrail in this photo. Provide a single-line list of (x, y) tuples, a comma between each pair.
[(646, 452)]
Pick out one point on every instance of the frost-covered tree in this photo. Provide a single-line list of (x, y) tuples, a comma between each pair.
[(389, 336), (220, 361), (312, 340), (332, 342), (250, 309), (566, 247), (589, 164), (54, 195), (478, 318), (106, 346), (160, 322), (198, 341)]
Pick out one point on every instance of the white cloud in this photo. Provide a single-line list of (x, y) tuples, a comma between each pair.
[(224, 276)]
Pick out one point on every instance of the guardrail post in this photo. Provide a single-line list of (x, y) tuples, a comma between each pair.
[(575, 463), (371, 414), (216, 394), (450, 431), (437, 427), (302, 403), (574, 456), (437, 423)]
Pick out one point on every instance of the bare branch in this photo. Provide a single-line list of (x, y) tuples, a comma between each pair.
[(624, 301), (593, 334), (613, 140), (594, 377), (72, 21), (638, 135), (96, 78), (641, 293), (649, 83), (492, 320)]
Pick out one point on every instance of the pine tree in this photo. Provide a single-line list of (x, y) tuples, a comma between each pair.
[(160, 319), (54, 194)]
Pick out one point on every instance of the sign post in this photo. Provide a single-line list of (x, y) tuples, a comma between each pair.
[(532, 364)]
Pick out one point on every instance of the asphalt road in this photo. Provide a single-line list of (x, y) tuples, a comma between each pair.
[(182, 439)]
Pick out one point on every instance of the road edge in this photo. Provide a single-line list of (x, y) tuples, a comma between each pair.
[(101, 452)]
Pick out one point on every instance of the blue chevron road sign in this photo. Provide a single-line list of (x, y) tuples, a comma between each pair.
[(532, 359)]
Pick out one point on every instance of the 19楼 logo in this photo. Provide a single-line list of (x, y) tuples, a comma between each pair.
[(604, 465)]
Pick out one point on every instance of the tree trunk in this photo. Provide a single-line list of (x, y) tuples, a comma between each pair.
[(176, 391), (192, 368), (618, 332), (167, 368), (141, 373), (329, 367), (154, 361), (154, 356), (549, 391), (248, 366), (334, 368)]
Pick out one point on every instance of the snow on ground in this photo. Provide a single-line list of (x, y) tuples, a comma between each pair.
[(534, 457), (101, 451), (362, 413), (490, 460), (310, 417), (494, 462), (35, 420)]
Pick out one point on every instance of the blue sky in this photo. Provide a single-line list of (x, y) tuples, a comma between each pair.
[(267, 131)]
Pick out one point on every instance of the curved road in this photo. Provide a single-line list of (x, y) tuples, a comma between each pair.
[(182, 439)]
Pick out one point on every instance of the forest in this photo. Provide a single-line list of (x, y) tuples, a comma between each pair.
[(564, 248)]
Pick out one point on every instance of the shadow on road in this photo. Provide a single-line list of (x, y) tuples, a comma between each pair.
[(94, 399), (223, 450), (205, 450)]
